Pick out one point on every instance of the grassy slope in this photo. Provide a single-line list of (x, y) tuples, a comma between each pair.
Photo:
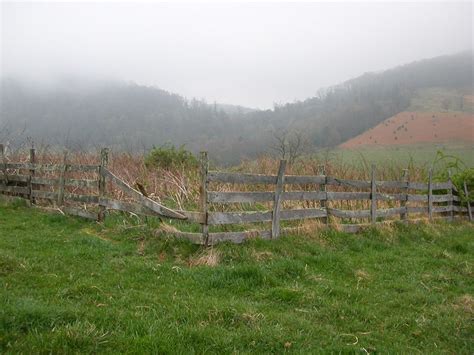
[(418, 155), (70, 285), (424, 100)]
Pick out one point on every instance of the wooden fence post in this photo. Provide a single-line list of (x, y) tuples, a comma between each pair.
[(31, 175), (62, 180), (4, 164), (451, 201), (203, 200), (373, 197), (322, 188), (277, 202), (469, 211), (403, 203), (104, 160), (430, 194)]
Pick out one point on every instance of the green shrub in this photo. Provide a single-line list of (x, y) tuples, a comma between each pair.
[(467, 176), (460, 174), (168, 157)]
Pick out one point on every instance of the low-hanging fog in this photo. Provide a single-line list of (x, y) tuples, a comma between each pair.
[(245, 54), (233, 79)]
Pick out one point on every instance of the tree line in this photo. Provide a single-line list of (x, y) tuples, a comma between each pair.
[(134, 117)]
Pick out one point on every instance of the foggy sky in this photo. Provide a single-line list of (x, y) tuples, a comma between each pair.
[(247, 54)]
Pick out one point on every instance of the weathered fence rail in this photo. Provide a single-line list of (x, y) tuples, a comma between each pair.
[(28, 183), (86, 196), (437, 197)]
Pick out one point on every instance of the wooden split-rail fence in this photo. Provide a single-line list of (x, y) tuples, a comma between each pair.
[(87, 197)]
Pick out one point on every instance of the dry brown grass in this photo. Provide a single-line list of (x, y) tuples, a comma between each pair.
[(209, 257), (465, 303), (310, 228), (179, 188), (165, 228), (362, 275), (262, 255)]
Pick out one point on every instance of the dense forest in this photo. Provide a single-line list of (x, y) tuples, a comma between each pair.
[(133, 117)]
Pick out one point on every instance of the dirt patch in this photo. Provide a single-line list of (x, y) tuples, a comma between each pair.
[(418, 127)]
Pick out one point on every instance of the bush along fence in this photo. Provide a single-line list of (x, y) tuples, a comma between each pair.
[(82, 190)]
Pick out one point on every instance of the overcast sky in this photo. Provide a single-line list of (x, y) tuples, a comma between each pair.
[(247, 54)]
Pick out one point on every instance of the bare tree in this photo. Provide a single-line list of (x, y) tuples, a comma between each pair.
[(289, 144)]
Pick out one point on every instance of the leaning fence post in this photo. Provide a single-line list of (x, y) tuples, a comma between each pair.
[(373, 197), (277, 202), (203, 196), (32, 174), (62, 180), (104, 159), (469, 211), (403, 203), (322, 188), (430, 194)]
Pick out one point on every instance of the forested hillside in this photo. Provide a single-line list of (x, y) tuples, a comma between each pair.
[(132, 117), (349, 109)]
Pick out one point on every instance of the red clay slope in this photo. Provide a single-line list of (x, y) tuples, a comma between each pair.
[(418, 127)]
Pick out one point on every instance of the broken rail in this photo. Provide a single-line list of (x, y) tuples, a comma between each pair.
[(431, 199)]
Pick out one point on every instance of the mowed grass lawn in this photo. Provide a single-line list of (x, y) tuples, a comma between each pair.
[(69, 285)]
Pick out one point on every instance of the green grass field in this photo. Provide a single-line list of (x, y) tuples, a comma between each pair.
[(69, 285), (421, 155)]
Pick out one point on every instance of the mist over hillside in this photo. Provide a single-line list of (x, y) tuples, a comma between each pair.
[(128, 116)]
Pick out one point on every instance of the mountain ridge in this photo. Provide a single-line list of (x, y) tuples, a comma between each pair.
[(131, 116)]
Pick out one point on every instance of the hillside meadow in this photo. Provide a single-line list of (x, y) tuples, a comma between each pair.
[(68, 285), (422, 156)]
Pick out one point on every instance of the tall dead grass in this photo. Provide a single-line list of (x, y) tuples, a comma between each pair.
[(179, 187)]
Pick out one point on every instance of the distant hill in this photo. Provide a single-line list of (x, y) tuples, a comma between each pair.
[(347, 110), (115, 114), (435, 115), (135, 117)]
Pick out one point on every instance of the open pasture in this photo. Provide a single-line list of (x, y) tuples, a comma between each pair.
[(68, 285)]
